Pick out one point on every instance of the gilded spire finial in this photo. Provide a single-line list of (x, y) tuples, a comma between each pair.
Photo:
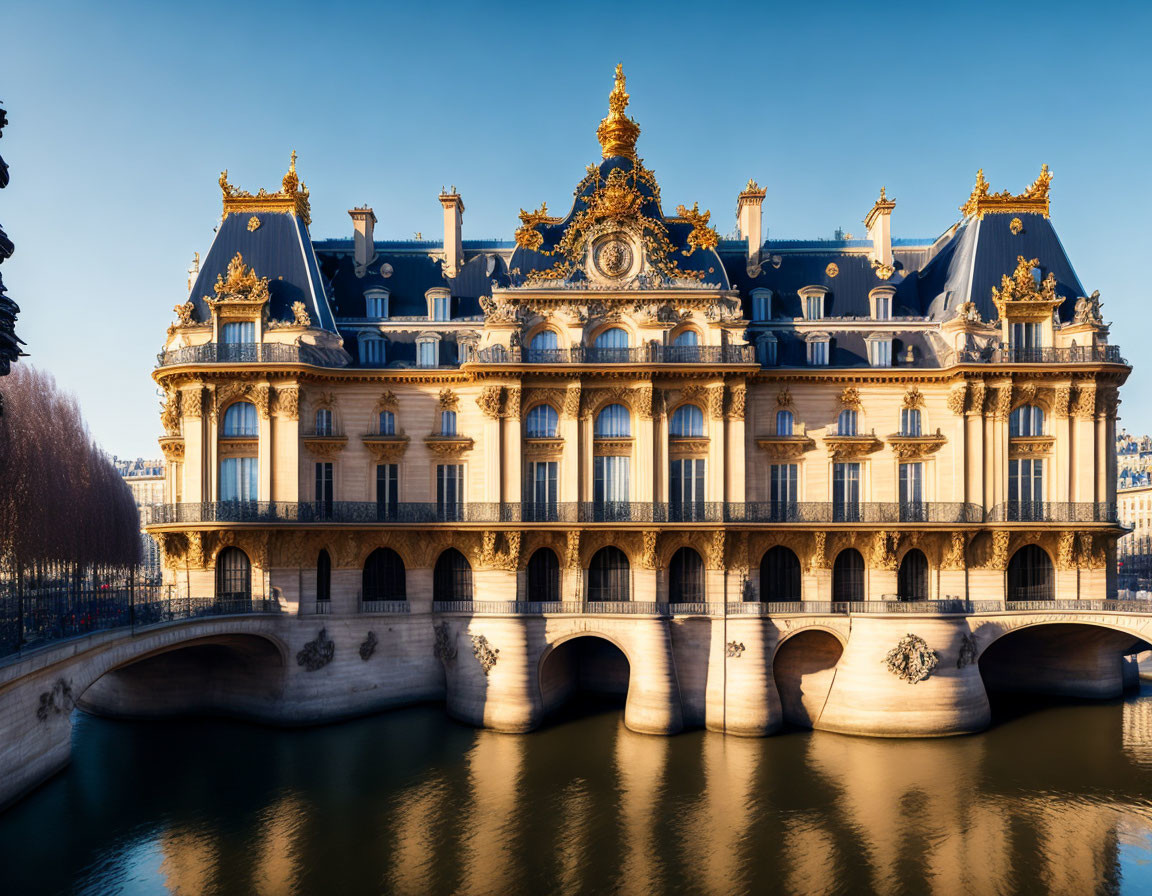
[(291, 181), (1033, 200), (617, 132)]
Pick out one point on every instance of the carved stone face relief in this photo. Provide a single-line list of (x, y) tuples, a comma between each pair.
[(613, 257)]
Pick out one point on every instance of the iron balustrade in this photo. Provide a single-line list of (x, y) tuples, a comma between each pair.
[(415, 513), (645, 354), (244, 353), (1094, 354), (385, 606), (1055, 512)]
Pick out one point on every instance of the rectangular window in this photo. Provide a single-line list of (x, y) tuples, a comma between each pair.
[(785, 490), (372, 352), (1026, 335), (450, 491), (324, 487), (387, 491), (813, 307), (761, 309), (426, 354), (440, 308), (377, 306), (686, 487), (910, 422), (846, 493), (912, 507), (242, 333), (239, 479), (769, 354), (880, 352), (883, 308), (448, 423), (610, 484), (540, 491), (818, 354), (1026, 489)]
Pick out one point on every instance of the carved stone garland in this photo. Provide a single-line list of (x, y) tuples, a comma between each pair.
[(911, 660)]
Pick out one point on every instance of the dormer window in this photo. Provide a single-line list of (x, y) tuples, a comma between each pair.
[(768, 350), (1027, 335), (880, 351), (238, 333), (372, 351), (376, 303), (812, 302), (761, 304), (439, 304), (818, 350), (882, 299), (428, 351)]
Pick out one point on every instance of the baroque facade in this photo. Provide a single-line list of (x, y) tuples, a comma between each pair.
[(620, 405)]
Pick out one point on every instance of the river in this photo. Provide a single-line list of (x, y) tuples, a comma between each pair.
[(1057, 798)]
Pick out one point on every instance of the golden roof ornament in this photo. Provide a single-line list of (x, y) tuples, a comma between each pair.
[(702, 236), (1033, 201), (617, 132), (1021, 297), (292, 198), (242, 284), (882, 206)]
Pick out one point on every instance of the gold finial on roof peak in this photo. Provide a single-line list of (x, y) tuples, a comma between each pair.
[(1033, 200), (617, 132), (292, 197)]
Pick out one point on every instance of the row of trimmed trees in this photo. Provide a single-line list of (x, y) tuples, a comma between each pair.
[(64, 509)]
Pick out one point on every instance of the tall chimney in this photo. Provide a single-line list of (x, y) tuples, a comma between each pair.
[(453, 228), (878, 222), (364, 249), (749, 219)]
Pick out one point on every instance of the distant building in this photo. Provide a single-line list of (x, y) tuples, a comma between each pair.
[(145, 478)]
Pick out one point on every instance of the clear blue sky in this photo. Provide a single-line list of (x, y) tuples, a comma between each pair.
[(123, 115)]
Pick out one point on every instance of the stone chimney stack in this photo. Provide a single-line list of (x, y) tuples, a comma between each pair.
[(453, 229), (749, 219), (879, 224), (364, 248)]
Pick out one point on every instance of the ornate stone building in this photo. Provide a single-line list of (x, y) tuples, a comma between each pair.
[(622, 406)]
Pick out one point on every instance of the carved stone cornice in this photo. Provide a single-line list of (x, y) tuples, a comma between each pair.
[(848, 447), (325, 447), (911, 447), (612, 447), (173, 448), (238, 447), (543, 447), (1030, 446), (385, 449), (687, 446), (448, 446), (784, 447)]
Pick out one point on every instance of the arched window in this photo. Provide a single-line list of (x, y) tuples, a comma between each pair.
[(387, 423), (240, 420), (910, 422), (687, 421), (613, 337), (544, 576), (1030, 574), (784, 423), (848, 576), (384, 577), (323, 576), (1026, 420), (544, 342), (452, 577), (608, 576), (779, 575), (846, 425), (447, 423), (687, 337), (613, 422), (912, 580), (541, 422), (323, 422), (686, 578), (233, 575)]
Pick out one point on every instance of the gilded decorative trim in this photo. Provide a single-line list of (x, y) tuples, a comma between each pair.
[(1033, 201), (292, 198)]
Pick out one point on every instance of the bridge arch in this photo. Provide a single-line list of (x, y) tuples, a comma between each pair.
[(803, 668), (591, 663)]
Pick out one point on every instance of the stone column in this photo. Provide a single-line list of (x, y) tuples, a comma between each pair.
[(513, 477), (742, 696), (653, 705)]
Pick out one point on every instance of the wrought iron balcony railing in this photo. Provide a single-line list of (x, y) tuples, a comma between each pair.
[(1054, 512), (244, 353), (1087, 354), (646, 354)]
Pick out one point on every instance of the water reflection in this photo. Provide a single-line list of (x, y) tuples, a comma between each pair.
[(1058, 799)]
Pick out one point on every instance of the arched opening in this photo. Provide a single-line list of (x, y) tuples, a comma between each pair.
[(1030, 575), (1078, 660), (544, 576), (384, 577), (912, 579), (803, 668), (686, 577), (452, 577), (588, 670), (241, 676), (541, 422), (609, 576), (848, 576), (323, 576), (233, 576), (779, 575), (687, 422)]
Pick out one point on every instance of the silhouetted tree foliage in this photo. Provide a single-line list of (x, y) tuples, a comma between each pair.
[(62, 503)]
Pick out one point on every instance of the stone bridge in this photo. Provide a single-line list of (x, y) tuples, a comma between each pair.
[(919, 672)]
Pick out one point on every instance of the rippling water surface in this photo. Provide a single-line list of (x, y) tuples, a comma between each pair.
[(1055, 799)]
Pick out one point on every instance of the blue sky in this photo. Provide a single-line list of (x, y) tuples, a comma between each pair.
[(123, 115)]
